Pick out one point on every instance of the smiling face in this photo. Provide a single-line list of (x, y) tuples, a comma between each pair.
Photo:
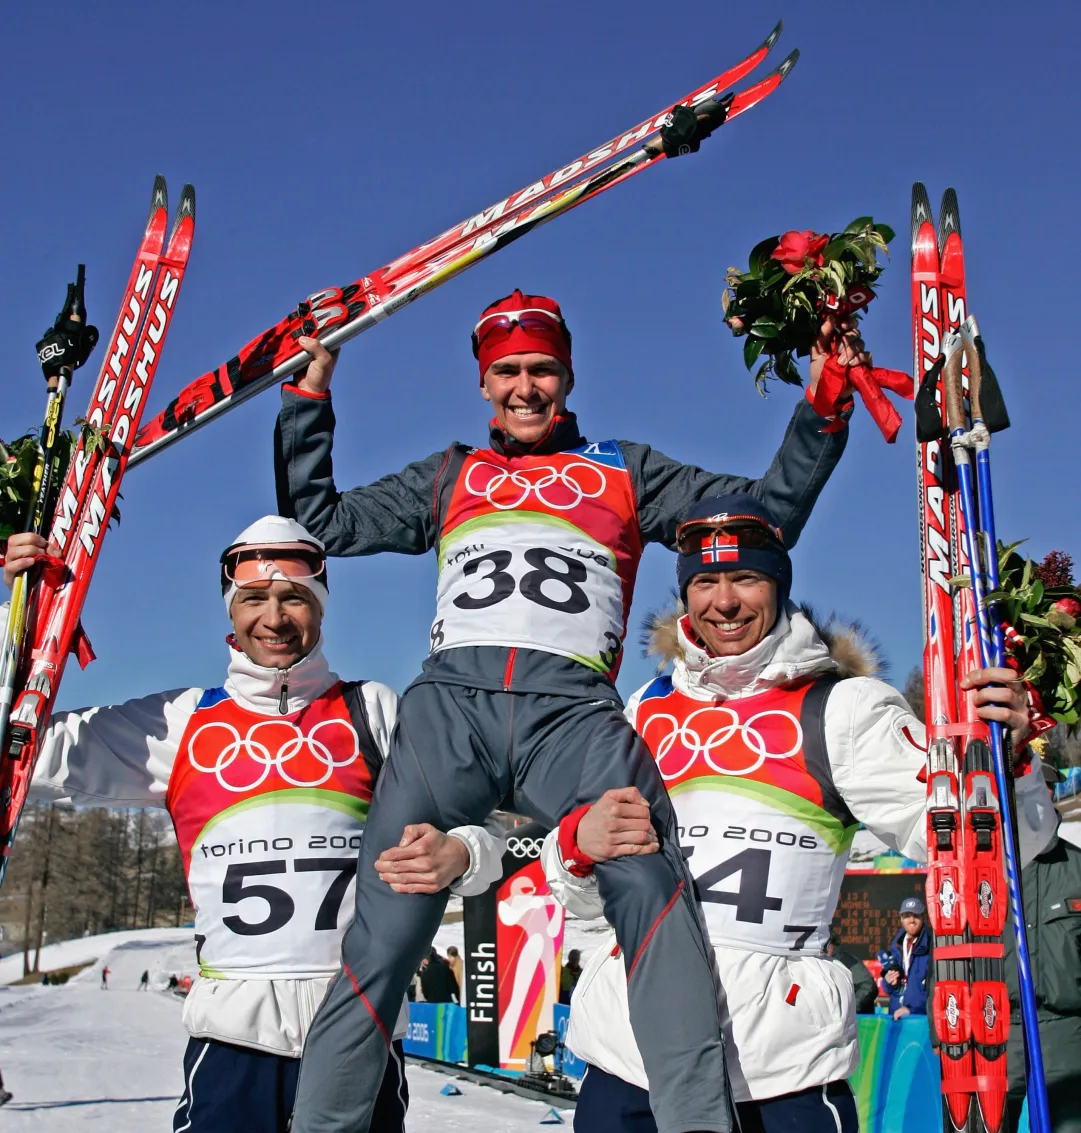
[(527, 392), (276, 625), (731, 611)]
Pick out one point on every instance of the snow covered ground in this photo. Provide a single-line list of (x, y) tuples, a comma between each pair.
[(79, 1059)]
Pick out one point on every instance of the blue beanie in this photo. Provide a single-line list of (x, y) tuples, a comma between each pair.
[(771, 560)]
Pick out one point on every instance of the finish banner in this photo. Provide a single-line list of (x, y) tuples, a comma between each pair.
[(513, 947)]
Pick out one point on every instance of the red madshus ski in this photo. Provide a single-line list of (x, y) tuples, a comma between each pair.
[(944, 822), (134, 352), (339, 314), (964, 853), (984, 892)]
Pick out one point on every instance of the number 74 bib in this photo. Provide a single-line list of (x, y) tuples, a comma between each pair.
[(540, 552)]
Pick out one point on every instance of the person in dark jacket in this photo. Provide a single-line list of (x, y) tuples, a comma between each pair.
[(1051, 892), (863, 983), (538, 537), (437, 981), (911, 949), (570, 975)]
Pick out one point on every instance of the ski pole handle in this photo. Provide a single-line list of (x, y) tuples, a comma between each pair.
[(67, 344), (951, 380)]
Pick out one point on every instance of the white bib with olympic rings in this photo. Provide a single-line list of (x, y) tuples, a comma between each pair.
[(269, 812), (540, 552)]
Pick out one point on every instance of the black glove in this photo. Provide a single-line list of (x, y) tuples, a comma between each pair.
[(686, 129), (67, 344)]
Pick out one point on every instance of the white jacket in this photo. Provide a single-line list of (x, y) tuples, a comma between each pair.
[(123, 756), (875, 750)]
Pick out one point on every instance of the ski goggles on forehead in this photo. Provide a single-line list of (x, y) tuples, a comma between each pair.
[(501, 324), (746, 531), (259, 566)]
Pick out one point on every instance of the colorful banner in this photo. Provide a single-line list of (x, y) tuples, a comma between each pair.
[(436, 1030), (513, 944)]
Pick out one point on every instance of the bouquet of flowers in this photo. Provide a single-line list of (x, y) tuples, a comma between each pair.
[(18, 463), (1040, 607), (792, 284)]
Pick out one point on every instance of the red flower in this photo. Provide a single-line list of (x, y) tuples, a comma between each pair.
[(795, 248), (1069, 606)]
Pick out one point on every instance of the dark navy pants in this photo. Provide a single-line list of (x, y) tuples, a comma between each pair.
[(607, 1104), (233, 1089)]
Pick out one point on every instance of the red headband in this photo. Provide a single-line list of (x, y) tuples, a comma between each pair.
[(541, 335)]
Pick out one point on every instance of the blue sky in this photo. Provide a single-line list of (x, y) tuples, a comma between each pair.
[(324, 141)]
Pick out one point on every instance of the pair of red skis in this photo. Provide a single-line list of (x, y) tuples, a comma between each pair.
[(37, 644), (973, 875)]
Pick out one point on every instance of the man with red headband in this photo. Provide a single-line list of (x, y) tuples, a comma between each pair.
[(267, 780), (538, 538)]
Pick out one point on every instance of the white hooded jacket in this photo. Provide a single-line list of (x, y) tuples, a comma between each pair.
[(777, 1042), (123, 756)]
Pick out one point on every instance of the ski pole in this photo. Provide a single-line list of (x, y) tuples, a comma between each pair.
[(989, 415), (962, 441), (65, 346)]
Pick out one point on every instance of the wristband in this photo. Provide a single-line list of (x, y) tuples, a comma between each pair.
[(575, 859)]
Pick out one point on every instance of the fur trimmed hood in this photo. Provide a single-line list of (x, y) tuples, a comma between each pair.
[(800, 645)]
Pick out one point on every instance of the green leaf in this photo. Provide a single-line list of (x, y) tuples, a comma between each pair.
[(760, 254), (860, 223), (765, 328), (885, 232), (751, 350)]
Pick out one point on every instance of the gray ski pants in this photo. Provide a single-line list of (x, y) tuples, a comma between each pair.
[(459, 752)]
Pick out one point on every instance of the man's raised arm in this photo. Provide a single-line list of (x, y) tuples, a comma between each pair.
[(393, 514)]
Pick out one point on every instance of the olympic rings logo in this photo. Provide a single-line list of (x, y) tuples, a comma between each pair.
[(260, 756), (561, 489), (676, 744), (524, 847)]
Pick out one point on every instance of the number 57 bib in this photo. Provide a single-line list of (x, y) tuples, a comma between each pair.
[(540, 552), (269, 813)]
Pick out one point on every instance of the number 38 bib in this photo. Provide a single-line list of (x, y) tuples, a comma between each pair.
[(540, 552), (269, 812)]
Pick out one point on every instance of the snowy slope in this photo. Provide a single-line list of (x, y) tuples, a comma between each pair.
[(79, 1059), (170, 948)]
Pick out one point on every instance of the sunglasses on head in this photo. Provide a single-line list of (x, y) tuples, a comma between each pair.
[(500, 325), (749, 532)]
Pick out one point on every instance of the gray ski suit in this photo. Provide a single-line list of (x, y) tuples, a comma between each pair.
[(516, 707)]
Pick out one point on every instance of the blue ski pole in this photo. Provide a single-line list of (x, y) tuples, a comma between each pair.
[(983, 560)]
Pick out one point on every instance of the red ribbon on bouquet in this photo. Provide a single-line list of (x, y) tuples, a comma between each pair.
[(830, 395)]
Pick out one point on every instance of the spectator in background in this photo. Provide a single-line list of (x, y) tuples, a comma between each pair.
[(437, 981), (911, 949), (105, 978), (1051, 892), (454, 962), (144, 981), (5, 1095), (570, 974), (864, 986)]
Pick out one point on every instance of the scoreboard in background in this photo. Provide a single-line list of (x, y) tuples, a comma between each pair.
[(867, 917)]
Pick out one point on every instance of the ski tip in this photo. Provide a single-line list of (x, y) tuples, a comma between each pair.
[(159, 198), (921, 209), (949, 216), (187, 205), (773, 36), (786, 65)]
